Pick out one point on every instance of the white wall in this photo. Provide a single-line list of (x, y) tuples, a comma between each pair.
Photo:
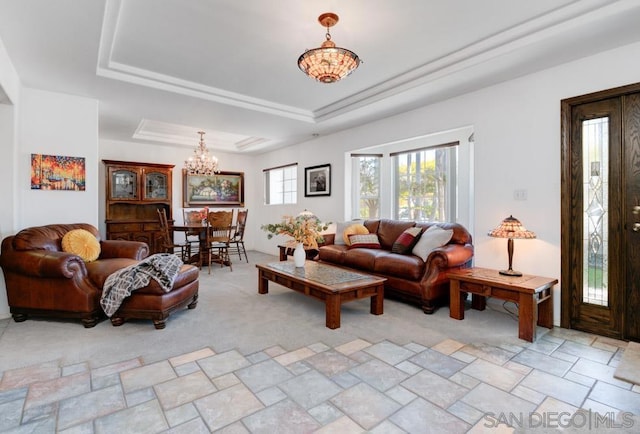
[(7, 181), (9, 79), (10, 85), (57, 124), (7, 145), (517, 146)]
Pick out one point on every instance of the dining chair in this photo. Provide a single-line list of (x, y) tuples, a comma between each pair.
[(166, 240), (218, 233), (192, 237), (236, 244)]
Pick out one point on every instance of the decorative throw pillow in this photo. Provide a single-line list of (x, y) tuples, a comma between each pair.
[(340, 227), (364, 241), (405, 242), (432, 238), (354, 229), (82, 243)]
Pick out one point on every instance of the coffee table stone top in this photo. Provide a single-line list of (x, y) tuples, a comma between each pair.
[(317, 272)]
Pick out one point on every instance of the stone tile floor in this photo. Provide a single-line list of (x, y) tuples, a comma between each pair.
[(564, 380)]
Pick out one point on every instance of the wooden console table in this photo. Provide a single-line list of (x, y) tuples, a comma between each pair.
[(533, 294)]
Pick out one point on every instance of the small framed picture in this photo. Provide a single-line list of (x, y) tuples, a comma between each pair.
[(317, 180)]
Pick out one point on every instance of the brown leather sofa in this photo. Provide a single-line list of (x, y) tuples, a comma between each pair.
[(42, 280), (409, 278)]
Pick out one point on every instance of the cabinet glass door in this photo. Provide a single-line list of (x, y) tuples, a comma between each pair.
[(155, 186), (124, 184)]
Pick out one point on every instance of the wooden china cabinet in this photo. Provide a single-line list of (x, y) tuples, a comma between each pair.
[(134, 193)]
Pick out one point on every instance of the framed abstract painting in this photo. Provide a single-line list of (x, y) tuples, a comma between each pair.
[(57, 172)]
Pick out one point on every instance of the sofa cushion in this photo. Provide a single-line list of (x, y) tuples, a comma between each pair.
[(405, 242), (367, 241), (98, 271), (82, 243), (408, 267), (430, 239), (332, 253), (357, 228), (389, 231), (372, 225), (362, 259)]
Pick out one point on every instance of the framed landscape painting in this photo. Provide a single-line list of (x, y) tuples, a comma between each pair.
[(221, 189), (317, 180), (57, 172)]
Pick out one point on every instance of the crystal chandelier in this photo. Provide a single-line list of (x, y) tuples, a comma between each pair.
[(201, 163), (328, 63)]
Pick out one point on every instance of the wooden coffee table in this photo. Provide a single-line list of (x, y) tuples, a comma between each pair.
[(332, 285)]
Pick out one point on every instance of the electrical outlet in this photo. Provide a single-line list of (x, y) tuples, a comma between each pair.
[(520, 194)]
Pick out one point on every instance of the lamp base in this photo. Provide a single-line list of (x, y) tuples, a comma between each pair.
[(510, 272)]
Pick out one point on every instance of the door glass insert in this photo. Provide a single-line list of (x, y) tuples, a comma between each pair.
[(595, 242)]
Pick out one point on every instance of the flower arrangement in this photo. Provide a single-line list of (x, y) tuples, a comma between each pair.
[(304, 228)]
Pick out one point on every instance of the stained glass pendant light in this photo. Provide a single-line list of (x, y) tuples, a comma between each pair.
[(328, 63)]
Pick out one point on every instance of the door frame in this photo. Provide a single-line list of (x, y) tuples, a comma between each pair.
[(567, 192)]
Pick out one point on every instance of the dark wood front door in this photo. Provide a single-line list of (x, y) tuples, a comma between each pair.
[(601, 213)]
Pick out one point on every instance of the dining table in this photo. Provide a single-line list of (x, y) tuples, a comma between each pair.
[(201, 230), (193, 228)]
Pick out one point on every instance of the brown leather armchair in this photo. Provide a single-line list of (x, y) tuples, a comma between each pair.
[(42, 280)]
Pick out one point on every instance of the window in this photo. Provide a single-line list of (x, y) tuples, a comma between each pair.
[(425, 183), (419, 178), (281, 185), (366, 193)]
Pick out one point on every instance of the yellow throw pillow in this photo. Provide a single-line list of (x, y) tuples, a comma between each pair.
[(82, 243), (355, 229)]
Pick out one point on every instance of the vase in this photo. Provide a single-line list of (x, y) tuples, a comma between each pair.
[(299, 255)]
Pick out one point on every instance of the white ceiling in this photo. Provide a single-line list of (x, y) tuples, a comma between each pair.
[(164, 69)]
